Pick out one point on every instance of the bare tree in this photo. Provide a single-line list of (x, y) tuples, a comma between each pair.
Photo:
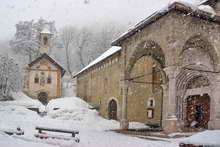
[(82, 42), (67, 37), (10, 77), (26, 40), (79, 46)]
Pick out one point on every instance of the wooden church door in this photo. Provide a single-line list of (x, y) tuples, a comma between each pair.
[(198, 111), (112, 110)]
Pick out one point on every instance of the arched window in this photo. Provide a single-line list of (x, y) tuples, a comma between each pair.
[(45, 40)]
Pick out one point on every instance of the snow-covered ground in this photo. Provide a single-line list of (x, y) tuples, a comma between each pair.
[(73, 114)]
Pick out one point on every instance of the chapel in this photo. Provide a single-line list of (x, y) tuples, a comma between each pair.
[(43, 76)]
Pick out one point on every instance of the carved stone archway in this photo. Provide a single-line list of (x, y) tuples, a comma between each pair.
[(198, 61), (146, 48)]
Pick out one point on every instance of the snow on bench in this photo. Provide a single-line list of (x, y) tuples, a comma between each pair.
[(18, 131), (42, 135), (206, 139)]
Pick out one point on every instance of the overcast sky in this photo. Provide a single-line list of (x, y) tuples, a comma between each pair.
[(74, 12)]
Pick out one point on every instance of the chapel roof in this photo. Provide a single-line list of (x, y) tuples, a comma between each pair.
[(53, 61)]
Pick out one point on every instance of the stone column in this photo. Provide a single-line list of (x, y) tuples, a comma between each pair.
[(214, 122), (124, 121), (171, 124), (124, 124)]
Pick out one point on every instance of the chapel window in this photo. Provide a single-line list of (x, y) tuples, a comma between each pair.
[(42, 79), (49, 79), (36, 79), (45, 40)]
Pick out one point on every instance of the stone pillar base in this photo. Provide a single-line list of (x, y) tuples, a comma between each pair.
[(124, 124), (214, 124), (171, 125)]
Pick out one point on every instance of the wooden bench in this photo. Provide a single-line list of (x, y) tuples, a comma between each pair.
[(18, 131), (72, 132)]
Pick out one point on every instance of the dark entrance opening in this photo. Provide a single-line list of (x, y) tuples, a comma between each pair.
[(112, 110), (43, 98), (198, 111)]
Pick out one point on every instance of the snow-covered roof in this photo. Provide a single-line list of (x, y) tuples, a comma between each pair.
[(46, 31), (52, 60), (103, 56), (156, 15), (206, 138)]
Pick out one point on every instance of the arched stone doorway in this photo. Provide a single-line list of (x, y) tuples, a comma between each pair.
[(112, 110), (197, 111), (144, 68), (194, 83), (43, 98)]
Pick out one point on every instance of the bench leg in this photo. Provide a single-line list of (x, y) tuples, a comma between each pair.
[(73, 134)]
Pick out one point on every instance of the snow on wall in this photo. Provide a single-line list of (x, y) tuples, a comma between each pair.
[(105, 55)]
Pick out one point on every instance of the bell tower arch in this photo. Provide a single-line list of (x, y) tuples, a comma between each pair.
[(45, 40)]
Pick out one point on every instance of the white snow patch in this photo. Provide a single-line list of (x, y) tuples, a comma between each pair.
[(21, 99), (76, 110), (207, 138), (207, 8), (137, 125)]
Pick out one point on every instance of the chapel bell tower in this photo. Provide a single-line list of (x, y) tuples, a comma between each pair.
[(45, 40)]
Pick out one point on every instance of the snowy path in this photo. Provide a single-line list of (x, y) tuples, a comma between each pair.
[(111, 139), (73, 114)]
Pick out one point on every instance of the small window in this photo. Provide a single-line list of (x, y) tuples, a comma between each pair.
[(49, 80), (151, 102), (45, 40), (150, 113), (36, 80)]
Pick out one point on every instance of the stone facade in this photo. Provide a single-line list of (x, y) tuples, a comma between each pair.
[(43, 76), (164, 60)]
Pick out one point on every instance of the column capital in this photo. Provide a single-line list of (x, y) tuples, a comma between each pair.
[(171, 71)]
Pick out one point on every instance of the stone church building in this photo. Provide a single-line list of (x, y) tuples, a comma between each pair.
[(43, 76), (165, 73)]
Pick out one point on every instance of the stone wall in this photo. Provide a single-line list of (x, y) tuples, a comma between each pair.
[(101, 83), (165, 40)]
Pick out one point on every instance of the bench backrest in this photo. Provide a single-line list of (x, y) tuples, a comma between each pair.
[(57, 130)]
